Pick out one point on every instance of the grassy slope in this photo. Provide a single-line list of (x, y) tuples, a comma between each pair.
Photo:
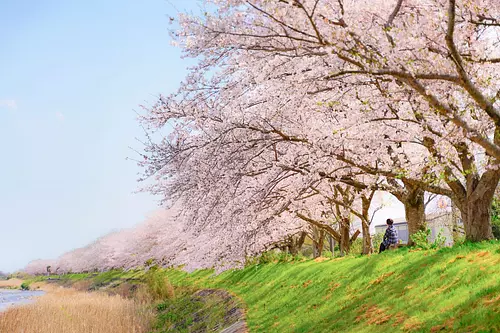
[(450, 290), (454, 290)]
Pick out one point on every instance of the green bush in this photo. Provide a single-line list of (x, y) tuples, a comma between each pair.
[(421, 240), (25, 286), (194, 312), (357, 246), (439, 241), (158, 285)]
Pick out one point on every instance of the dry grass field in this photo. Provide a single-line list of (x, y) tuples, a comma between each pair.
[(71, 311), (12, 283)]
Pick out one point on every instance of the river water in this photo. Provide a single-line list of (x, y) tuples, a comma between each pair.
[(16, 297)]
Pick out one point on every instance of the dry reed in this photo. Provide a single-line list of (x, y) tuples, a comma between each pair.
[(12, 283), (70, 311)]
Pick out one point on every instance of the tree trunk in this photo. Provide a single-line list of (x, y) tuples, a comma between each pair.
[(318, 242), (321, 242), (345, 241), (475, 205), (315, 250), (476, 216), (367, 239), (414, 212), (412, 197), (365, 223), (457, 230), (331, 241), (295, 242), (300, 241)]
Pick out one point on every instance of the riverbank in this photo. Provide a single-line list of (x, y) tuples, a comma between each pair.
[(118, 301), (406, 290), (11, 297), (11, 284), (69, 310)]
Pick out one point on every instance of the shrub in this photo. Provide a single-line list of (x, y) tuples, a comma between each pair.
[(357, 246), (421, 240), (158, 285), (25, 286), (439, 241)]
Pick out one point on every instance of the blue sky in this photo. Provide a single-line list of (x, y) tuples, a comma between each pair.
[(71, 75)]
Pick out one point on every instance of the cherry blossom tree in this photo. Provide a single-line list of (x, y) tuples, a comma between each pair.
[(425, 69), (38, 267), (265, 140), (298, 111), (163, 239), (234, 170)]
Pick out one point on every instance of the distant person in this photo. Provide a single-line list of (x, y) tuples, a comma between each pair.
[(390, 236)]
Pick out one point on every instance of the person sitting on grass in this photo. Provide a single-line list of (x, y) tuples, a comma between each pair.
[(390, 236)]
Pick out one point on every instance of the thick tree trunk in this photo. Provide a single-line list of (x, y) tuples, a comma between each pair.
[(475, 205), (292, 248), (315, 250), (414, 212), (412, 197), (476, 216)]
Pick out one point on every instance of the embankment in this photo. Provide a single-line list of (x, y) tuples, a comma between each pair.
[(448, 290)]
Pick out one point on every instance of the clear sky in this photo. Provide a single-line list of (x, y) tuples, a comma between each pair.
[(71, 75)]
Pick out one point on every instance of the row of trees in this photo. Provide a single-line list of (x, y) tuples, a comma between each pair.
[(300, 110), (162, 239)]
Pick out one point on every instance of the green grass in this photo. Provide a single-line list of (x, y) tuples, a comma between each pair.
[(454, 290), (448, 290), (98, 280)]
